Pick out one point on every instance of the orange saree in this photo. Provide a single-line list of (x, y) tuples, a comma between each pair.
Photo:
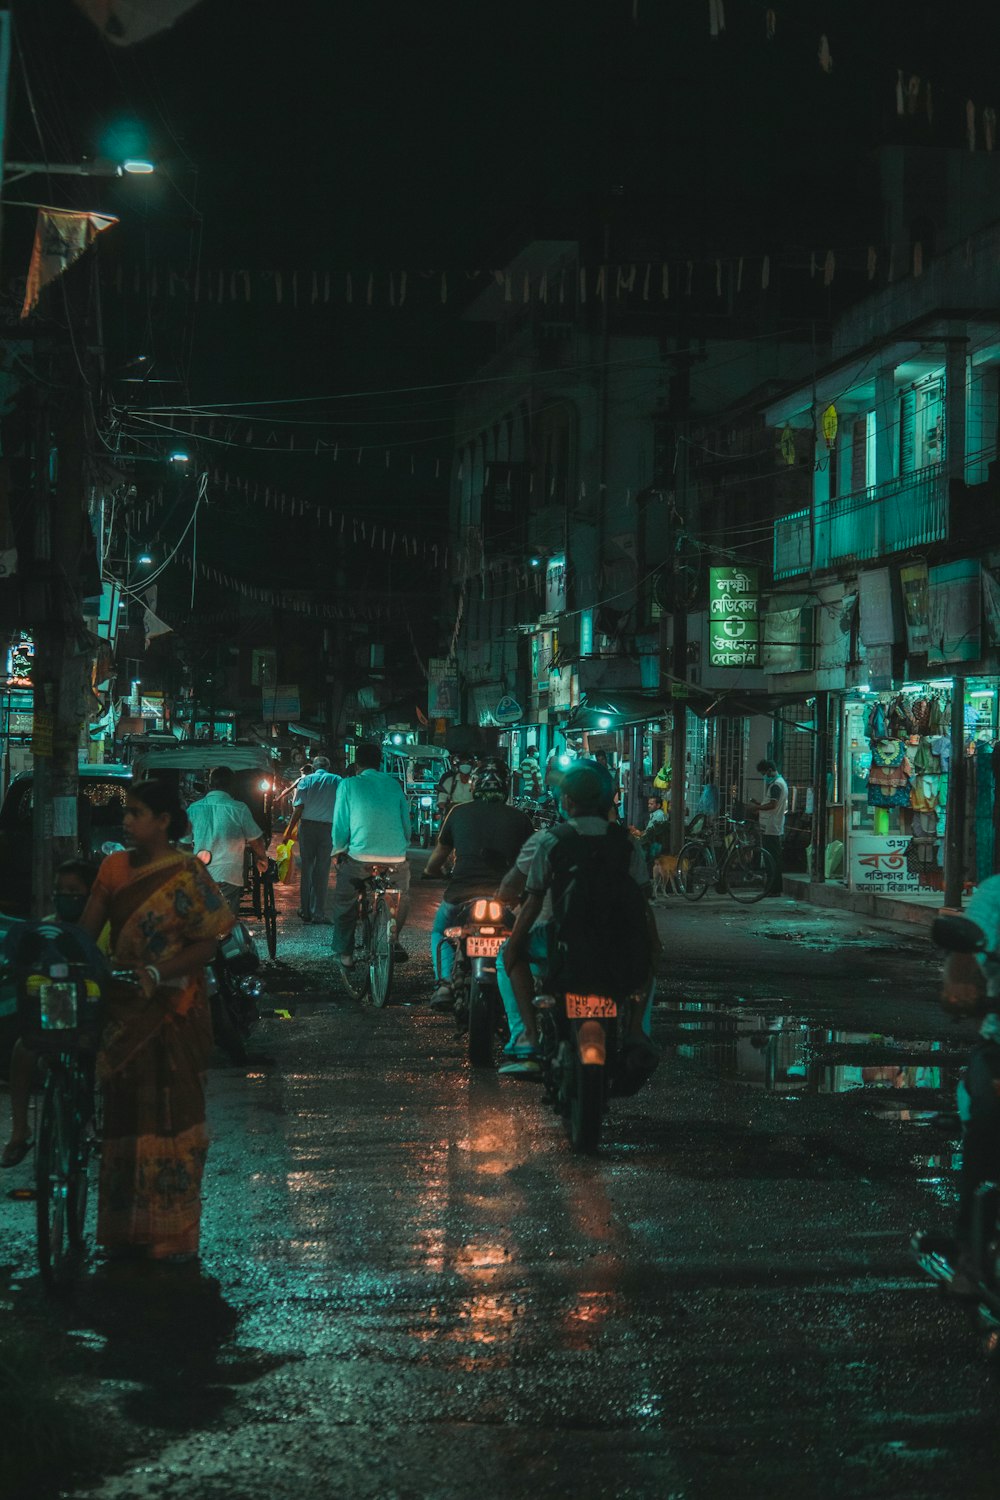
[(153, 1056)]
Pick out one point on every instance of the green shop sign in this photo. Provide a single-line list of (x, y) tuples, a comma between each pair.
[(733, 617)]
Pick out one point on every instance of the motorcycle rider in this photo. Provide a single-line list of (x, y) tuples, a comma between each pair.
[(587, 794), (484, 836), (455, 787), (971, 988)]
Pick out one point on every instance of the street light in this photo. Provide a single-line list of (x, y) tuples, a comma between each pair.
[(98, 166), (180, 458)]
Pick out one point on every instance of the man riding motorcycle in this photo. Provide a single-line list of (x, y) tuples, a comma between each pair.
[(484, 836)]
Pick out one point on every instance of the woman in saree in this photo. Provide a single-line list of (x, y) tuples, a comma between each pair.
[(166, 917)]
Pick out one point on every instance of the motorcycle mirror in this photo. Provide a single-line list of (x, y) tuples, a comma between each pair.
[(205, 855), (958, 935)]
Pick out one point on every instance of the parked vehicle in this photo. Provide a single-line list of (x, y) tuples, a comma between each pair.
[(732, 861), (484, 926), (59, 980), (100, 809), (971, 1269), (234, 988), (589, 1053)]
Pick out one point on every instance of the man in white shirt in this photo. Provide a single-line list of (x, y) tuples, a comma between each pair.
[(771, 816), (225, 827), (313, 802), (371, 826)]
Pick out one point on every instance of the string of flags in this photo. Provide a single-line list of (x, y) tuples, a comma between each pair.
[(278, 599), (633, 282)]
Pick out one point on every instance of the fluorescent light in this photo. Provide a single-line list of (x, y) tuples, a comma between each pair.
[(137, 168)]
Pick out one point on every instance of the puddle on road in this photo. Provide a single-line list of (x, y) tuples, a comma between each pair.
[(785, 1054), (820, 940)]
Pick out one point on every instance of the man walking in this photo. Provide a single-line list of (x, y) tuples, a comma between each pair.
[(771, 815), (314, 802), (225, 827), (371, 826)]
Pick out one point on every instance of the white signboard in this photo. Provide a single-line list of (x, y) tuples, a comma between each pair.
[(878, 864)]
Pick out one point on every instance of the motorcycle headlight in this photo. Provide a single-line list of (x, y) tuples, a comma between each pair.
[(252, 987), (426, 802)]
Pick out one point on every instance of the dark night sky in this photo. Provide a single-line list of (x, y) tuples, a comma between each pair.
[(384, 134)]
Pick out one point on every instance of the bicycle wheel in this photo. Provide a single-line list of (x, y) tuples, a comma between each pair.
[(381, 959), (270, 915), (748, 873), (60, 1196), (358, 977), (695, 870)]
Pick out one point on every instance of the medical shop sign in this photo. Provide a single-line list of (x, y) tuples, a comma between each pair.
[(733, 617)]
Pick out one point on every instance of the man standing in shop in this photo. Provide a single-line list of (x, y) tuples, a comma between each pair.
[(314, 800), (771, 815)]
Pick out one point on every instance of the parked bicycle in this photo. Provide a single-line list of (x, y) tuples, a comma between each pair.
[(374, 936), (731, 860)]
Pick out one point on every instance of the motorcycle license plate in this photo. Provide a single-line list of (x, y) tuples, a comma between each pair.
[(590, 1007), (484, 947)]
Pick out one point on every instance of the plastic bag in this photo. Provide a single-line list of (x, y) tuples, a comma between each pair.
[(284, 854)]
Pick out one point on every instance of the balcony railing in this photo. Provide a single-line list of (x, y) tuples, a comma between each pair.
[(909, 511)]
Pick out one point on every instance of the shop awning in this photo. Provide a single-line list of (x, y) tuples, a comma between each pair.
[(614, 710), (725, 705)]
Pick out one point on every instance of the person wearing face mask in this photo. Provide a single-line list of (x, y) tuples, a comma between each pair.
[(73, 881), (455, 786)]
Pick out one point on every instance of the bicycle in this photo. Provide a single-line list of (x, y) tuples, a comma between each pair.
[(263, 904), (733, 862), (68, 1131), (374, 937)]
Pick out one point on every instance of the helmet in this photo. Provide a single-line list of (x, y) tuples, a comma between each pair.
[(490, 781)]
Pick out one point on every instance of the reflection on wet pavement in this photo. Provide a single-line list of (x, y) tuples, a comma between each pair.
[(417, 1291)]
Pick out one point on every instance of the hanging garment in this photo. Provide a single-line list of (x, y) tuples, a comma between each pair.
[(935, 716), (941, 749), (889, 752), (924, 759), (920, 712), (877, 727), (884, 796), (900, 719)]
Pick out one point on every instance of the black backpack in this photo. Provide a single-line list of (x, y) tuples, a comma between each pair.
[(601, 934)]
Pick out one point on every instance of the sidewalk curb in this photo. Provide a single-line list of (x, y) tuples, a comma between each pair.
[(839, 898)]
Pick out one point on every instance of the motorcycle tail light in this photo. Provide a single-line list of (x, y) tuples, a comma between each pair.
[(487, 932), (479, 910), (494, 911), (453, 932)]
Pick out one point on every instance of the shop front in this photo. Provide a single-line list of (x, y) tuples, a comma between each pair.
[(895, 799)]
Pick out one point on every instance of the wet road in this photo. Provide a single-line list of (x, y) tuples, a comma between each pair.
[(415, 1290)]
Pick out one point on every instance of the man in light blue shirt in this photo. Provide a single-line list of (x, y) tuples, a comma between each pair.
[(371, 826), (314, 802)]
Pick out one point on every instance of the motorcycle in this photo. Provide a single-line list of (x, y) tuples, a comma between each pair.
[(970, 1270), (234, 988), (425, 819), (484, 926), (589, 1052)]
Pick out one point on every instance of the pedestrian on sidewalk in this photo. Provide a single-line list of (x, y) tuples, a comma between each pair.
[(371, 826), (314, 803), (771, 816)]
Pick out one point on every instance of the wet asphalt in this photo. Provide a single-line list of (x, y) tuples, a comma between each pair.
[(411, 1287)]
